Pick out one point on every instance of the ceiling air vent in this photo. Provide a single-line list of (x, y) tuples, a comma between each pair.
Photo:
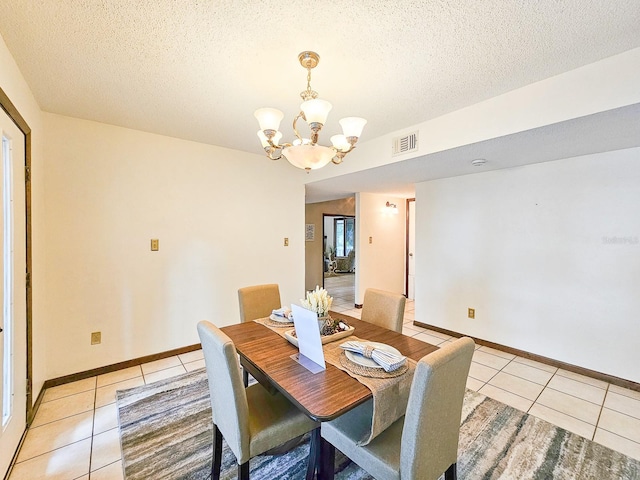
[(405, 144)]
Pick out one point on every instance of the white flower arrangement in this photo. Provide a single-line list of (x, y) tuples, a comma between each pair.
[(318, 301)]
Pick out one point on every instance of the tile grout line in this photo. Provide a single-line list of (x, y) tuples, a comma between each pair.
[(579, 398), (582, 382), (563, 413), (507, 391), (604, 399), (541, 391), (617, 435), (517, 376), (498, 370), (93, 424)]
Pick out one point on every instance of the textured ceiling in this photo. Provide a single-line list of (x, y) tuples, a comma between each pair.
[(198, 69)]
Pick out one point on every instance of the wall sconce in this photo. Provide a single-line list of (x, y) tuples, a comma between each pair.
[(392, 208)]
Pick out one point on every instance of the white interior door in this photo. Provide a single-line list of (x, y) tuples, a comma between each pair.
[(13, 339), (411, 289)]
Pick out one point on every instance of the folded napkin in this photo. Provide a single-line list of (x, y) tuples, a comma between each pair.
[(387, 360), (283, 312)]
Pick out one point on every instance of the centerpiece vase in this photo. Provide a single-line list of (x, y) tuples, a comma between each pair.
[(322, 321)]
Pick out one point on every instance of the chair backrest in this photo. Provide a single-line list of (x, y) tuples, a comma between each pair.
[(432, 421), (352, 260), (382, 308), (258, 301), (229, 407)]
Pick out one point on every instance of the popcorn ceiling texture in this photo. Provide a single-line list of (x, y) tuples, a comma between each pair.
[(198, 69)]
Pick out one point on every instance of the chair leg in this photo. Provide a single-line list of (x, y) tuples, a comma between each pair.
[(243, 471), (216, 461), (451, 473), (314, 454), (245, 377), (327, 460)]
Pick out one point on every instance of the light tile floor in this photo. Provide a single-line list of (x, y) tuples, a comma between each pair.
[(594, 409), (75, 433)]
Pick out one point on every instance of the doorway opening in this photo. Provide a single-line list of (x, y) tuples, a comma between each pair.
[(339, 257)]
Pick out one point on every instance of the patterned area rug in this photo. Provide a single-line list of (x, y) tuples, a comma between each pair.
[(165, 433)]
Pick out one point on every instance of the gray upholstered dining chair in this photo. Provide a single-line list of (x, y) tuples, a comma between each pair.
[(422, 444), (384, 309), (257, 301), (251, 420)]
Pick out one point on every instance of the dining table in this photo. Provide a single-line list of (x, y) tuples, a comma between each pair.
[(322, 396)]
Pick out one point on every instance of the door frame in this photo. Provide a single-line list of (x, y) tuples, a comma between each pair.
[(406, 248), (21, 123)]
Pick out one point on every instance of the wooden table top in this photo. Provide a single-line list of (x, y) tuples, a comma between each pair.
[(322, 396)]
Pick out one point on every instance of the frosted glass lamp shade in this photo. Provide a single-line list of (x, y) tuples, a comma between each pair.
[(340, 143), (269, 118), (352, 126), (309, 157), (316, 111), (265, 142)]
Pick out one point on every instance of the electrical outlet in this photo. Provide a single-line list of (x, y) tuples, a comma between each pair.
[(472, 313), (286, 242), (96, 338), (370, 239), (155, 244)]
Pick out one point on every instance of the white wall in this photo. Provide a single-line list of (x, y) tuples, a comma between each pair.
[(218, 215), (328, 231), (379, 264), (547, 254), (16, 88)]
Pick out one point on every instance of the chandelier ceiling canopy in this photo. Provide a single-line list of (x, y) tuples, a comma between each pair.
[(306, 152)]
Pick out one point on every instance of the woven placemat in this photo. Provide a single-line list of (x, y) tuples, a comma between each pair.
[(272, 323), (368, 371)]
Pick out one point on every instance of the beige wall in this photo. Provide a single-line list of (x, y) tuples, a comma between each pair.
[(313, 249), (381, 263), (220, 222)]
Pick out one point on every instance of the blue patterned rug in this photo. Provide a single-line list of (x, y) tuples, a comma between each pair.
[(166, 433)]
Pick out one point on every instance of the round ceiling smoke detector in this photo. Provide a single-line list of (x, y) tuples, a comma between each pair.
[(478, 162)]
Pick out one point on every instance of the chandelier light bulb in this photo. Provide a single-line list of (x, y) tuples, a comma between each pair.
[(352, 126), (316, 111), (269, 118), (340, 143)]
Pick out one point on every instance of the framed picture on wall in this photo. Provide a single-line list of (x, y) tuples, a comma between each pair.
[(310, 232)]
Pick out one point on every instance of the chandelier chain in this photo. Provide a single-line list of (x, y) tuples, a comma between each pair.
[(308, 94)]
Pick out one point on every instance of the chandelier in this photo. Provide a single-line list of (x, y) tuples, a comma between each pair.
[(305, 152)]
